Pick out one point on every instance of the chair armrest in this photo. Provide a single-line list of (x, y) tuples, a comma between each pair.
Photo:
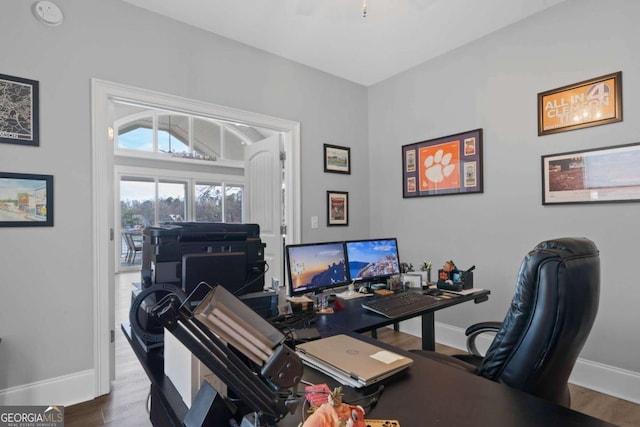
[(473, 331)]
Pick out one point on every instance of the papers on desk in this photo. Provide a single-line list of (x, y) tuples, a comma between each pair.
[(300, 299), (351, 295), (465, 291)]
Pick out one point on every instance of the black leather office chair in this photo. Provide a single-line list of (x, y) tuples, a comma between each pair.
[(551, 314)]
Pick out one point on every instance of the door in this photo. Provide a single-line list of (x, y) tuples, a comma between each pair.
[(263, 169)]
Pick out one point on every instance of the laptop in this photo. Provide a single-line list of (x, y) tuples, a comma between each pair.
[(351, 361)]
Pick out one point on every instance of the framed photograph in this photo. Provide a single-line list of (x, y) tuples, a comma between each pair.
[(337, 159), (589, 103), (443, 166), (412, 280), (26, 200), (337, 208), (19, 106), (601, 175)]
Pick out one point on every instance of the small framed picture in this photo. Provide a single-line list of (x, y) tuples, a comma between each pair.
[(26, 200), (337, 208), (19, 111), (337, 159), (412, 280)]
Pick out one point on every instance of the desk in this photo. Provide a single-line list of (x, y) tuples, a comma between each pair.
[(428, 393), (357, 319)]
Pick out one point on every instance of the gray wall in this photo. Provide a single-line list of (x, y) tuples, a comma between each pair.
[(46, 297), (492, 84)]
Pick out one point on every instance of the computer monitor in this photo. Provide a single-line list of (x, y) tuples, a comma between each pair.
[(315, 267), (373, 260)]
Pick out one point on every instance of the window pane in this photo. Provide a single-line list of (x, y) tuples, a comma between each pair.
[(206, 138), (137, 203), (233, 207), (136, 138), (173, 134), (233, 146), (171, 201), (208, 202)]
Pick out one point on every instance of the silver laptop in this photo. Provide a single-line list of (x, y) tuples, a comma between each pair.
[(351, 361)]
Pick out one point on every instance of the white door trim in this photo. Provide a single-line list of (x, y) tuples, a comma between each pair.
[(103, 195)]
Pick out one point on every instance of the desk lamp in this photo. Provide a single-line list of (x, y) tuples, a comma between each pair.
[(261, 371)]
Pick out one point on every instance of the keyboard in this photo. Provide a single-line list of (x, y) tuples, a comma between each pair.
[(401, 304)]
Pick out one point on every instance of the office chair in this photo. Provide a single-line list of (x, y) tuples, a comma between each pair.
[(551, 314)]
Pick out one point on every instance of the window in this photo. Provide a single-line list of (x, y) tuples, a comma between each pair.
[(154, 191), (182, 136), (219, 202)]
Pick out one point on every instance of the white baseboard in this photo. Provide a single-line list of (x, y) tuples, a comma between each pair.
[(596, 376), (64, 391)]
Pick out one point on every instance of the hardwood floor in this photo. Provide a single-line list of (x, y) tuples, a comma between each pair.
[(126, 405)]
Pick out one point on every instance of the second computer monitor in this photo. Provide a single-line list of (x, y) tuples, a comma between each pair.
[(373, 260)]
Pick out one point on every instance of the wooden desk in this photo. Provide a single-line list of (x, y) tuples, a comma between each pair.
[(357, 319), (428, 393)]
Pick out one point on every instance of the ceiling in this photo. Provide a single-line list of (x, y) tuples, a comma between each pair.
[(333, 36)]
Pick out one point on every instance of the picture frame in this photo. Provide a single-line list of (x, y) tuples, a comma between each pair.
[(19, 115), (337, 208), (592, 102), (443, 166), (26, 200), (600, 175), (412, 280), (337, 159)]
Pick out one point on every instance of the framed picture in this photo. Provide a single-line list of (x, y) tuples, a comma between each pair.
[(412, 280), (26, 200), (19, 106), (337, 159), (337, 208), (443, 166), (589, 103), (602, 175)]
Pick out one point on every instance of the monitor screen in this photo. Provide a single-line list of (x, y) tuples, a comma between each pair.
[(315, 267), (372, 260)]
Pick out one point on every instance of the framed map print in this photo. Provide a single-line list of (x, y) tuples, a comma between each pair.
[(19, 116)]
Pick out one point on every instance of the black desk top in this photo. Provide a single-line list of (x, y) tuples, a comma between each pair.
[(358, 319), (428, 393)]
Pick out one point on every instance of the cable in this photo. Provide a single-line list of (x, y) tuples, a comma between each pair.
[(266, 268), (373, 399)]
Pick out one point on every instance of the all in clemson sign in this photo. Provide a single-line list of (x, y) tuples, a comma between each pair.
[(590, 103)]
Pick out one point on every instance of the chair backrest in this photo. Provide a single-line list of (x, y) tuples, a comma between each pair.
[(552, 312), (129, 240)]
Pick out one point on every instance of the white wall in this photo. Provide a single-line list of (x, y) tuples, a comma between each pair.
[(492, 84), (46, 299)]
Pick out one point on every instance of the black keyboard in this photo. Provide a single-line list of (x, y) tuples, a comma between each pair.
[(401, 304)]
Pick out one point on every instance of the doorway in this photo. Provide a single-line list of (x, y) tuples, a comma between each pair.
[(104, 96)]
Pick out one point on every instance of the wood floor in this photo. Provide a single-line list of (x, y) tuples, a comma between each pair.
[(126, 405)]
